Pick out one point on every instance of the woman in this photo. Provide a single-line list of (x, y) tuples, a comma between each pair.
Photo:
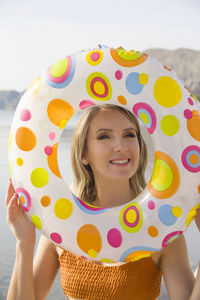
[(109, 159)]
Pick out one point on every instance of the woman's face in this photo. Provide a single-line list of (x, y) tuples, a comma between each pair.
[(112, 146)]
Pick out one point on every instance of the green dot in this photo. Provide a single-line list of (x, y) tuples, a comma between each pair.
[(169, 125)]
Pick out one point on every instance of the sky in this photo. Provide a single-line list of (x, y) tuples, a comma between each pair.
[(36, 33)]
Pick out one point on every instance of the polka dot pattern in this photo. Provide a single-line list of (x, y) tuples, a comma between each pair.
[(131, 217), (60, 74), (135, 82), (99, 87), (24, 198), (191, 159), (89, 240), (165, 179), (167, 91), (89, 208), (94, 57), (147, 115), (59, 112), (25, 139), (127, 58), (168, 111)]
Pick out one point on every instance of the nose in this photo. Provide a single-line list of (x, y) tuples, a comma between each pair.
[(120, 145)]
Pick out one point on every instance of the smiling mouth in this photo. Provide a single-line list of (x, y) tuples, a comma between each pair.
[(120, 162)]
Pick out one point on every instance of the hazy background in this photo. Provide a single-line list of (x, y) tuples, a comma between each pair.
[(34, 34)]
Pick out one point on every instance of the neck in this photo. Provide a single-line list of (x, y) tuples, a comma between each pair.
[(112, 193)]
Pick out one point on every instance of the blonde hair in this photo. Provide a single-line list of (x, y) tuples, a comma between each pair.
[(84, 183)]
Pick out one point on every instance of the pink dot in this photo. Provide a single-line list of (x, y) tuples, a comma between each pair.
[(94, 56), (48, 150), (25, 115), (85, 103), (118, 74), (188, 114), (52, 135), (190, 101), (56, 237), (114, 237), (151, 205)]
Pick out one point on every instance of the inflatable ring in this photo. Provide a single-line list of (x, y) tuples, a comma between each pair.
[(170, 114)]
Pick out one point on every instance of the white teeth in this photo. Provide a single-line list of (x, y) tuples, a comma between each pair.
[(119, 161)]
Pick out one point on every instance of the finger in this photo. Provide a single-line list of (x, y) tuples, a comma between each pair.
[(13, 201), (10, 192)]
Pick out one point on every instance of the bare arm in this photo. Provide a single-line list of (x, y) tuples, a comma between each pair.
[(29, 281), (178, 276)]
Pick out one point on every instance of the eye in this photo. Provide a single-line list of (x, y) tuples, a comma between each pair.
[(103, 137), (130, 135)]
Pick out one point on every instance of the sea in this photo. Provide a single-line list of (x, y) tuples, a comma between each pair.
[(7, 240)]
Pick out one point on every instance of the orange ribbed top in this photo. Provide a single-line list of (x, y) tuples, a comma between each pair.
[(83, 279)]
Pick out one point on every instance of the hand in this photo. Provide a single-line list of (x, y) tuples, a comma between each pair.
[(22, 228), (197, 219)]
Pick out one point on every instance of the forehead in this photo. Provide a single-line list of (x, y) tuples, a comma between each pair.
[(110, 119)]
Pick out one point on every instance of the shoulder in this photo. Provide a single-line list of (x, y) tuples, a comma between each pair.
[(177, 250)]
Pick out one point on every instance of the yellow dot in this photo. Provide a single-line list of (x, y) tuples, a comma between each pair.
[(36, 221), (62, 124), (59, 68), (169, 125), (143, 78), (153, 231), (131, 216), (144, 118), (19, 161), (167, 91), (92, 253), (99, 88), (39, 177), (176, 211), (63, 208), (107, 260)]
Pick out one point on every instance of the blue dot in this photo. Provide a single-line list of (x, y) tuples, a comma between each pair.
[(165, 215), (132, 83)]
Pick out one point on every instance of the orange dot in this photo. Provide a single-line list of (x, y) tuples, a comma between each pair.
[(45, 201), (59, 110), (193, 125), (122, 100), (22, 200), (89, 237), (194, 159), (199, 189), (25, 139), (152, 231), (53, 161)]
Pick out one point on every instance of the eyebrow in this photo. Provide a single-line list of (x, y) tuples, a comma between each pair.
[(107, 129)]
